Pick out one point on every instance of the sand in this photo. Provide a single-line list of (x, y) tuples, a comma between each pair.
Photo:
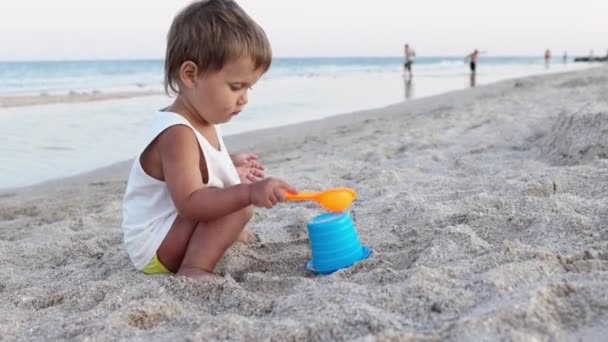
[(486, 211), (9, 101)]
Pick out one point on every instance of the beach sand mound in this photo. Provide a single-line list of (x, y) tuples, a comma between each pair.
[(578, 138), (584, 81)]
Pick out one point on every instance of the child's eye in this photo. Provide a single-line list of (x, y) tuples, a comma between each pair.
[(237, 87)]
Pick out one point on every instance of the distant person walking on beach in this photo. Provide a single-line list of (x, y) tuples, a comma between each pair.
[(547, 57), (410, 54), (472, 59), (565, 57)]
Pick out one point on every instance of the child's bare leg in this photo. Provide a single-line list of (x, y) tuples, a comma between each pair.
[(209, 242), (173, 248), (246, 237), (194, 248)]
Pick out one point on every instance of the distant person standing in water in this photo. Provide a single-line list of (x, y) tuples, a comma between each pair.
[(565, 57), (472, 59), (410, 54), (547, 57)]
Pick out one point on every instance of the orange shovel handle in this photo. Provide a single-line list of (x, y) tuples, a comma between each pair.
[(302, 196)]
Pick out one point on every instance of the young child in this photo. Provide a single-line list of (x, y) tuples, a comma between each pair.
[(187, 200)]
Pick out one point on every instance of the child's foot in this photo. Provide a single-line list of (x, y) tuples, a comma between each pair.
[(246, 237), (198, 274)]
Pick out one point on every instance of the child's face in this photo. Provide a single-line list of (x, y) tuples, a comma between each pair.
[(220, 95)]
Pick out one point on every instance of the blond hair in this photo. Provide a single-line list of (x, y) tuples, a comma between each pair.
[(211, 33)]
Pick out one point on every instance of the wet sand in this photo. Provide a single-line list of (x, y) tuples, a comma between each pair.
[(72, 97)]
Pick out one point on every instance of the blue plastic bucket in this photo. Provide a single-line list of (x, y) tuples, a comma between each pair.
[(334, 243)]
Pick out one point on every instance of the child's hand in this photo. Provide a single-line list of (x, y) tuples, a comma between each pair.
[(243, 158), (248, 167), (269, 192), (250, 172)]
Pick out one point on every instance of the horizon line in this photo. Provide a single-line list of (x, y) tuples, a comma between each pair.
[(114, 59)]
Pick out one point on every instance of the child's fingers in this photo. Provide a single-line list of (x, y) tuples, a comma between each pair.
[(253, 178), (283, 188), (252, 156), (287, 187), (257, 173), (257, 165), (273, 199), (280, 194)]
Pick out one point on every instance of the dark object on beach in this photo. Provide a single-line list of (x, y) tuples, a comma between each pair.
[(591, 59)]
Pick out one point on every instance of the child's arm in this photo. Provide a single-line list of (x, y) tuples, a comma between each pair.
[(180, 158)]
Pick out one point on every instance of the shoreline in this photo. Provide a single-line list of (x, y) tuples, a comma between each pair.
[(265, 137), (95, 95), (73, 97), (260, 137)]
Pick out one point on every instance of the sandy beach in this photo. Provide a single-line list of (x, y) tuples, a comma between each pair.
[(486, 210), (7, 101)]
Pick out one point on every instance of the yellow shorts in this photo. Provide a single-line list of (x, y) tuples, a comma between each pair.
[(155, 267)]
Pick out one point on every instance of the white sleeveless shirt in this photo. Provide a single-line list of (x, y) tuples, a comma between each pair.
[(148, 211)]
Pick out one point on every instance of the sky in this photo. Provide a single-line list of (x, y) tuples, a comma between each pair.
[(133, 29)]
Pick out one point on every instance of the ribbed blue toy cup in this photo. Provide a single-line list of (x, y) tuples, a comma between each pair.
[(334, 243)]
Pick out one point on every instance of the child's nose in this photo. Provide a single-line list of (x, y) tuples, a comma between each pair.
[(243, 100)]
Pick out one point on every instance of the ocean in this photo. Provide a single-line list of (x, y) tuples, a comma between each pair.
[(44, 142)]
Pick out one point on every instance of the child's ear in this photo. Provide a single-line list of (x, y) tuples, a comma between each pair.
[(188, 73)]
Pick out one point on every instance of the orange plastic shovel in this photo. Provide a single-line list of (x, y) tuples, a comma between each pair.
[(334, 200)]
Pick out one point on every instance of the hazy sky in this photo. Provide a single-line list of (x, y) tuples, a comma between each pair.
[(82, 29)]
